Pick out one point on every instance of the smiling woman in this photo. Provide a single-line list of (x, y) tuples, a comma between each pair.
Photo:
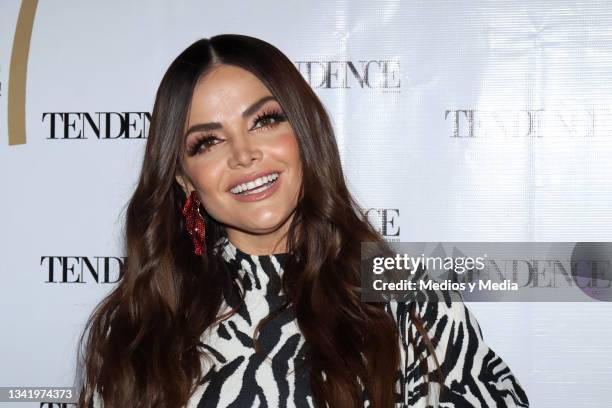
[(242, 285), (242, 158)]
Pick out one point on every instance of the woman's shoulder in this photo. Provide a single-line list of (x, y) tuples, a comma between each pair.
[(472, 373)]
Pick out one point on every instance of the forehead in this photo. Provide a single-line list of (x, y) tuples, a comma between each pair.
[(225, 91)]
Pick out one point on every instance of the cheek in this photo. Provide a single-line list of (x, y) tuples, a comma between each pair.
[(287, 150), (205, 176)]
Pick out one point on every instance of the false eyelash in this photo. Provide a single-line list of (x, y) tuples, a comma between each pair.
[(270, 114), (267, 114), (200, 140)]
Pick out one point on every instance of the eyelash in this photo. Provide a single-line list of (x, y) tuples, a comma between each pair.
[(204, 138)]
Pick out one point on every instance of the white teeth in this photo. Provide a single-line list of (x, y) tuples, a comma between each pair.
[(241, 188)]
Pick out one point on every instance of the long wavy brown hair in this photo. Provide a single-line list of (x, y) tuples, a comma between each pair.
[(140, 346)]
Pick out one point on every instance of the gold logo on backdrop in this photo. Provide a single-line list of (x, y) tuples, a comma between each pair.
[(18, 73)]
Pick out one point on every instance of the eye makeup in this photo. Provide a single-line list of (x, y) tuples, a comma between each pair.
[(202, 142)]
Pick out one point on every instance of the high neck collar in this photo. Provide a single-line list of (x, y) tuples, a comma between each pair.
[(233, 250), (258, 267)]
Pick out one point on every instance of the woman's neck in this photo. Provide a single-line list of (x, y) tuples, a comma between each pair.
[(258, 244)]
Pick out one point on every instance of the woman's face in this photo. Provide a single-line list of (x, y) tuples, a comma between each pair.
[(242, 157)]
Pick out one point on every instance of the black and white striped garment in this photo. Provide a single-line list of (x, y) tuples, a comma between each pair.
[(235, 376)]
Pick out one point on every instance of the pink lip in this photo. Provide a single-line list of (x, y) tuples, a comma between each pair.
[(261, 195)]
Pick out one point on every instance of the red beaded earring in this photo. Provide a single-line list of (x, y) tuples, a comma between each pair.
[(194, 222)]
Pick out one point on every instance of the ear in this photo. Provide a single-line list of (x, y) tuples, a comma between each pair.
[(184, 183)]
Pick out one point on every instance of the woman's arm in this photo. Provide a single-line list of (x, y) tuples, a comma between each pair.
[(472, 374)]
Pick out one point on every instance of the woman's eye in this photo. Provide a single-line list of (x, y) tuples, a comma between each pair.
[(202, 144), (268, 119)]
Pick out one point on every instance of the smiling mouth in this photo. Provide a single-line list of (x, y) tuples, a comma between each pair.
[(256, 186)]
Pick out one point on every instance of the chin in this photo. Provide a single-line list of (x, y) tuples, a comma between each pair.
[(265, 223)]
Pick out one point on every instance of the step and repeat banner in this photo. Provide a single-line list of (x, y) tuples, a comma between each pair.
[(459, 121)]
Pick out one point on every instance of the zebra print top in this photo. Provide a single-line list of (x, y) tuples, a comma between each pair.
[(236, 376)]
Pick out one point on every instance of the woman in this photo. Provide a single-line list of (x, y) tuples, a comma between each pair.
[(242, 282)]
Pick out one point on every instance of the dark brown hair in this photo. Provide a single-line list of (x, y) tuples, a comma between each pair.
[(140, 345)]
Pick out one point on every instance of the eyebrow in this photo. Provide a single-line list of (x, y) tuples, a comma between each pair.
[(203, 127)]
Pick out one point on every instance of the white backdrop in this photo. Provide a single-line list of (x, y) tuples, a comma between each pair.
[(526, 158)]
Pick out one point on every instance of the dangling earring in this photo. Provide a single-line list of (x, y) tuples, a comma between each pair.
[(194, 222)]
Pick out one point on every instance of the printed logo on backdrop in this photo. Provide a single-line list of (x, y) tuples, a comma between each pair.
[(97, 125), (82, 269), (18, 73), (385, 221), (587, 122), (370, 74)]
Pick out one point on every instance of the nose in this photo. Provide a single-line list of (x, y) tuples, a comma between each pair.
[(244, 152)]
